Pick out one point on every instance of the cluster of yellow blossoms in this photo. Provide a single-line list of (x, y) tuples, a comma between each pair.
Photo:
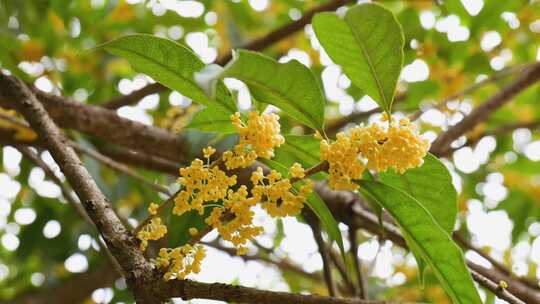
[(202, 183), (238, 229), (376, 147), (206, 183), (152, 231), (277, 195), (258, 138), (180, 261)]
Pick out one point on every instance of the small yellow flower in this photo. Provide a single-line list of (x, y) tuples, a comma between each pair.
[(193, 231), (396, 146), (344, 162), (201, 184), (153, 208), (297, 171), (240, 229), (208, 151), (180, 261), (277, 195)]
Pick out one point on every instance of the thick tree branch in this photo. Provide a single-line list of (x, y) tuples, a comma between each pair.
[(119, 240), (192, 290), (107, 125), (73, 290), (442, 144)]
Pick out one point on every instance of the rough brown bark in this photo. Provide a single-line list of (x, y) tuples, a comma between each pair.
[(107, 125), (119, 240)]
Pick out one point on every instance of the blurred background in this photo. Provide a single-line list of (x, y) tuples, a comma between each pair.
[(457, 54)]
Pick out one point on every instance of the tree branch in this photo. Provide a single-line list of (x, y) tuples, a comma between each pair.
[(70, 198), (327, 271), (216, 291), (495, 77), (119, 240), (441, 145), (107, 125)]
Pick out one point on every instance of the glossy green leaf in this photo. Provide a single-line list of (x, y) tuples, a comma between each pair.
[(167, 62), (290, 86), (368, 44), (212, 118), (433, 243), (431, 185), (303, 149)]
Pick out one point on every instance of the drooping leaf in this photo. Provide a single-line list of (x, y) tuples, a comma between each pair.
[(290, 86), (368, 44), (166, 61), (431, 185), (433, 243)]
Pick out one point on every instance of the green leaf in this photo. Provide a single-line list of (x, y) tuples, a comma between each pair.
[(166, 61), (368, 44), (431, 185), (290, 86), (329, 223), (303, 149), (432, 242), (212, 118)]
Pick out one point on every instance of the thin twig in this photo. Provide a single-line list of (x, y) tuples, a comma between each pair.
[(499, 266), (70, 198), (327, 271), (496, 289), (99, 157), (493, 78), (529, 77), (342, 269), (362, 283)]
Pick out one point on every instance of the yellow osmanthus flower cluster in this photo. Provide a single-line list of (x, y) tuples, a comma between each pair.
[(204, 184), (201, 184), (258, 138), (153, 231), (180, 261), (239, 229), (277, 195), (379, 148), (344, 162)]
